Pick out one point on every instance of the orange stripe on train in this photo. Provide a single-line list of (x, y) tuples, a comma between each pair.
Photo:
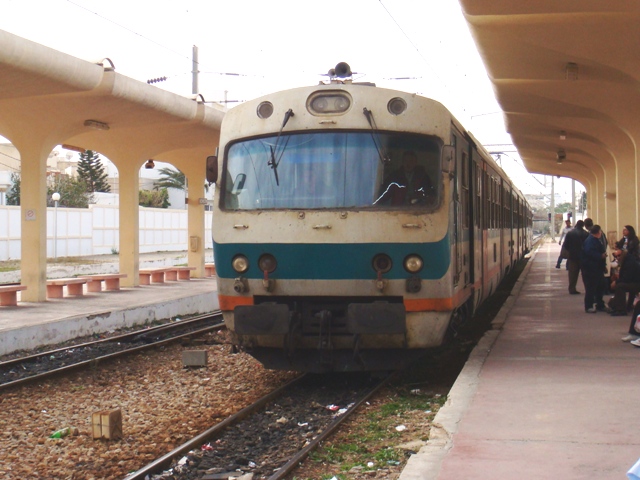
[(411, 304), (229, 303)]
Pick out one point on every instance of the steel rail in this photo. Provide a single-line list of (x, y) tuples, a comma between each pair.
[(95, 361), (164, 461), (331, 428), (115, 338)]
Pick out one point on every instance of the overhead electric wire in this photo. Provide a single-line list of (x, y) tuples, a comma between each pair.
[(153, 41)]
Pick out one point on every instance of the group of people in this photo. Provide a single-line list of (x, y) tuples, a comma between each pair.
[(585, 248)]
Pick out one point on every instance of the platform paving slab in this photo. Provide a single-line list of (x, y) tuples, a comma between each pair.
[(550, 395), (32, 324)]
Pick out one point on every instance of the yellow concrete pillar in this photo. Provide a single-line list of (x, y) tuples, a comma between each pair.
[(33, 210), (610, 195), (129, 222), (626, 193), (195, 174)]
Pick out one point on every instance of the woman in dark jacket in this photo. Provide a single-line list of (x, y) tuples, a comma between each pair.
[(628, 282), (629, 241)]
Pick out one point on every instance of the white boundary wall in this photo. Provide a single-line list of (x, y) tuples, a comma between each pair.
[(94, 231)]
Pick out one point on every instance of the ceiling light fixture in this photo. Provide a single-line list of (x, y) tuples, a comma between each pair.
[(563, 135), (73, 148), (96, 124), (571, 71), (149, 165), (561, 155)]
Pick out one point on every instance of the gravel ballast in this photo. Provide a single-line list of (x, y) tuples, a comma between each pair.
[(163, 405)]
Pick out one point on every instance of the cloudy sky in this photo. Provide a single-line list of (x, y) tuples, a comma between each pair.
[(416, 46)]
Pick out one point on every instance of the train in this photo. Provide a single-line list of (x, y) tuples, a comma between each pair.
[(356, 227)]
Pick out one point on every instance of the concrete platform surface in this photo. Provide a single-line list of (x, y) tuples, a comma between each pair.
[(32, 324), (550, 395)]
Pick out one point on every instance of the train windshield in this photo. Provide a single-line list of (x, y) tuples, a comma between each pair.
[(333, 170)]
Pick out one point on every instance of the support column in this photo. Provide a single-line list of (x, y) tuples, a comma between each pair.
[(610, 220), (195, 214), (129, 222), (626, 194), (33, 212)]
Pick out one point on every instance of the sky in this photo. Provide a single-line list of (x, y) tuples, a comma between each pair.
[(422, 47)]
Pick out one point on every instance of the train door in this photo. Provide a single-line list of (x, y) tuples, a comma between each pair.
[(509, 223), (461, 210), (477, 237), (520, 223)]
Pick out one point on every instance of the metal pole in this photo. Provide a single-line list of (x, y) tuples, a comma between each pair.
[(55, 231), (194, 71), (553, 211), (573, 201)]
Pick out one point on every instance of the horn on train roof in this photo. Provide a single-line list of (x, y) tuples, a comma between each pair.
[(342, 70)]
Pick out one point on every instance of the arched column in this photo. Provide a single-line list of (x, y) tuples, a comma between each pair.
[(195, 174), (33, 212), (129, 221)]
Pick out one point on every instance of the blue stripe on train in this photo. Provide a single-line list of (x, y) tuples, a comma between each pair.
[(321, 261)]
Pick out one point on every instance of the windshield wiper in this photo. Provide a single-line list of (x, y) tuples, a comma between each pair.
[(375, 136), (273, 163)]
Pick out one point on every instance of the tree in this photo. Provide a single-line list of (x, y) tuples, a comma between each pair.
[(583, 202), (73, 192), (563, 207), (170, 178), (13, 195), (92, 172), (154, 198)]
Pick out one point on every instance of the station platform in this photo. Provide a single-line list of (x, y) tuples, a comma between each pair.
[(550, 392), (33, 324)]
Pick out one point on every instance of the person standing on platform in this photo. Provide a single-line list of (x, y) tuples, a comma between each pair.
[(629, 241), (592, 265), (628, 256), (628, 282), (573, 244), (567, 228)]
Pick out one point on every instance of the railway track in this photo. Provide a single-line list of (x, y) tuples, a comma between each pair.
[(270, 437), (26, 369)]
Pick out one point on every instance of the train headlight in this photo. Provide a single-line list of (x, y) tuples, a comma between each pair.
[(413, 264), (240, 263), (328, 103), (267, 263), (265, 110), (382, 263), (396, 106)]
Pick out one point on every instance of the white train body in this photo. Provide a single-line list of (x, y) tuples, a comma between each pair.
[(355, 226)]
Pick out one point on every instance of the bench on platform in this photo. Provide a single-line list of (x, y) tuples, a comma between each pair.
[(111, 281), (209, 269), (159, 275), (155, 275), (183, 273), (75, 286), (9, 294)]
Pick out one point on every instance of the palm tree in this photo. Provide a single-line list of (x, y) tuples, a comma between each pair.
[(173, 178), (170, 178)]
